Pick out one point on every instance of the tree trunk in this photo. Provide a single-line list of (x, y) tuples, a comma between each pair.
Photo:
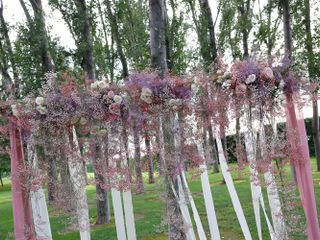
[(175, 220), (159, 61), (5, 33), (52, 176), (205, 7), (149, 157), (86, 42), (137, 159), (1, 179), (244, 11), (4, 68), (213, 150), (311, 69), (288, 47), (47, 62), (157, 35), (115, 32), (99, 166), (287, 27)]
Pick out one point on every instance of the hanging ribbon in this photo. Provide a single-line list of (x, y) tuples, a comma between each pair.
[(200, 230), (22, 212), (208, 200), (301, 162), (231, 188)]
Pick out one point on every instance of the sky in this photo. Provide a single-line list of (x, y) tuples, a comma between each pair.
[(14, 14)]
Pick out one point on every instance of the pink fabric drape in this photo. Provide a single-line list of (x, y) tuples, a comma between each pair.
[(22, 213), (301, 161)]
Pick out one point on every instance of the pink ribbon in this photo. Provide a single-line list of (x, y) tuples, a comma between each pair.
[(22, 213), (301, 161)]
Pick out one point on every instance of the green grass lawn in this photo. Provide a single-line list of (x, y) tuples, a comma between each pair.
[(149, 207)]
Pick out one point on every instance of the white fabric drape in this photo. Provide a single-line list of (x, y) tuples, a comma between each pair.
[(38, 201)]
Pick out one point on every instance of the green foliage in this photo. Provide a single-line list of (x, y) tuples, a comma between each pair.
[(229, 37), (176, 34), (133, 22), (267, 27)]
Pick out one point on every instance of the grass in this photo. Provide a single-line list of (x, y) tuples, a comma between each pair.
[(149, 208)]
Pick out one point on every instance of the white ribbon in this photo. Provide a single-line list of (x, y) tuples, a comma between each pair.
[(200, 230), (232, 191), (208, 200)]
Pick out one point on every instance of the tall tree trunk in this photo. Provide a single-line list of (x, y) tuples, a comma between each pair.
[(39, 20), (86, 49), (157, 35), (1, 179), (115, 32), (288, 47), (159, 61), (147, 142), (137, 158), (99, 166), (86, 41), (8, 49), (244, 11), (205, 7), (287, 27), (52, 176), (68, 190), (213, 150), (311, 69), (4, 68)]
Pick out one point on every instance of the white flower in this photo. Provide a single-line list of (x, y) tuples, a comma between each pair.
[(241, 88), (226, 84), (42, 109), (304, 66), (14, 109), (194, 87), (146, 95), (174, 103), (117, 99), (40, 101), (102, 132), (220, 79), (219, 72), (250, 79), (102, 84), (83, 121), (110, 94), (268, 73), (282, 84), (94, 85), (94, 130), (304, 80), (227, 75)]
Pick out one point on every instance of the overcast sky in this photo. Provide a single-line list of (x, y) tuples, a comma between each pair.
[(14, 14)]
